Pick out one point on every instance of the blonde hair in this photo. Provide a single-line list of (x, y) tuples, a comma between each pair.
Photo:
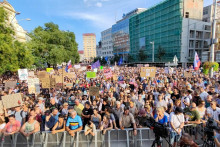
[(161, 109)]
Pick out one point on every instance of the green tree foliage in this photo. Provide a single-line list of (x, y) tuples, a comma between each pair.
[(13, 54), (161, 53), (52, 46)]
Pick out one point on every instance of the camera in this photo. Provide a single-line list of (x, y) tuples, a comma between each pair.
[(211, 125), (160, 130)]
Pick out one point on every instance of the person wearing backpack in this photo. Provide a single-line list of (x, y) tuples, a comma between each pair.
[(19, 114)]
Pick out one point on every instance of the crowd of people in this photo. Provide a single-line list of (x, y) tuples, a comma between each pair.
[(127, 102)]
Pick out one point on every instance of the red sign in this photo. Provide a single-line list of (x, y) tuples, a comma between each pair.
[(108, 73)]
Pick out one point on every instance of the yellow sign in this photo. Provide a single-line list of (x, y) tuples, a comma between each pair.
[(148, 72)]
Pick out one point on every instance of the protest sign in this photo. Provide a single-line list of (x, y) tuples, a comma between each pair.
[(1, 107), (95, 70), (45, 83), (13, 100), (23, 74), (31, 74), (52, 82), (49, 70), (10, 84), (148, 72), (33, 85), (101, 67), (83, 68), (90, 74), (59, 85), (43, 74), (115, 77), (69, 85), (58, 79), (94, 91), (108, 73), (187, 74), (77, 66)]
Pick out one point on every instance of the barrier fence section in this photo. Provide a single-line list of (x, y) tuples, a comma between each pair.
[(112, 138)]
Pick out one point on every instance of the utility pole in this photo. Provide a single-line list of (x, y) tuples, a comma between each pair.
[(152, 50), (213, 37)]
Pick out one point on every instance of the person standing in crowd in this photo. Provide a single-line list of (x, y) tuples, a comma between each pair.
[(86, 113), (51, 118), (96, 118), (78, 107), (12, 127), (74, 123), (192, 115), (177, 124), (127, 120), (106, 124), (30, 127), (160, 116)]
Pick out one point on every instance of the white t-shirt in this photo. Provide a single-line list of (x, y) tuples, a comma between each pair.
[(204, 95), (186, 100), (177, 120)]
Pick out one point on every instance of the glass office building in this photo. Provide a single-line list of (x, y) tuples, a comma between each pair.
[(161, 24)]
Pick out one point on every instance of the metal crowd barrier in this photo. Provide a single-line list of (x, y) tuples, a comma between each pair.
[(112, 138)]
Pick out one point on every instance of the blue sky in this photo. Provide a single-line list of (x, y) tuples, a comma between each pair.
[(78, 16)]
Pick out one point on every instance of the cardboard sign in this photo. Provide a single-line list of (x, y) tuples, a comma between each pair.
[(148, 72), (23, 74), (70, 75), (90, 74), (52, 82), (33, 85), (108, 73), (1, 107), (94, 91), (10, 84), (187, 74), (45, 83), (13, 100), (59, 85), (115, 77), (58, 79), (43, 74), (69, 85), (83, 68)]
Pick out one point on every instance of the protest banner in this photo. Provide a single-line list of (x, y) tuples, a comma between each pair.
[(148, 72), (187, 74), (10, 84), (23, 74), (84, 68), (90, 74), (94, 91), (1, 107), (77, 66), (13, 100), (33, 85), (108, 73), (69, 85), (45, 83)]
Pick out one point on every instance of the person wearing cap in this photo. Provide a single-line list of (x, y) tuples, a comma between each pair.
[(177, 124), (142, 118), (87, 113), (127, 120)]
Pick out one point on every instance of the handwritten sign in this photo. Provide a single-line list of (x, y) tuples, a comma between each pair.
[(33, 85), (90, 74), (94, 91), (43, 74), (108, 73), (13, 100), (10, 84), (187, 74), (148, 72), (23, 74), (45, 83)]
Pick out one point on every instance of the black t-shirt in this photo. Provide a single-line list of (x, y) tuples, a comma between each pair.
[(175, 97), (87, 112)]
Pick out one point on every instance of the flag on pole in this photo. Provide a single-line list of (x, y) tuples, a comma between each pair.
[(106, 58), (96, 65), (197, 62), (68, 66), (120, 61)]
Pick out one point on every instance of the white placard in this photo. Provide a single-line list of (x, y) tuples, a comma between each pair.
[(23, 74)]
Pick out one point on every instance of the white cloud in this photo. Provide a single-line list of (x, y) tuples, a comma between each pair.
[(97, 20), (98, 4)]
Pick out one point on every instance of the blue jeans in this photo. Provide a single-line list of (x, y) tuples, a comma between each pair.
[(174, 137)]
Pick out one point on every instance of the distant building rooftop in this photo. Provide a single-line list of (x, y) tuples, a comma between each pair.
[(81, 52), (89, 34)]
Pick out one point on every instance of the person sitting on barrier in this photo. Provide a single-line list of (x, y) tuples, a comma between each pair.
[(60, 125), (74, 123), (106, 124), (127, 120), (177, 124), (96, 118), (12, 127), (160, 116), (90, 128), (30, 127)]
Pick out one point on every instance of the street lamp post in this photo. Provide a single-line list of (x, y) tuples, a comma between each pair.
[(16, 13), (213, 37), (152, 50)]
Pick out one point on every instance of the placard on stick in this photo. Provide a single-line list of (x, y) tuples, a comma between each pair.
[(148, 72), (13, 100), (187, 74), (94, 91), (45, 83)]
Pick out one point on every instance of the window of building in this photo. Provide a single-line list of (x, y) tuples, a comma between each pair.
[(191, 42), (192, 34), (187, 15)]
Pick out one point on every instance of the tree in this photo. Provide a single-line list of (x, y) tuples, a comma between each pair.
[(13, 54), (161, 53), (52, 46), (142, 56)]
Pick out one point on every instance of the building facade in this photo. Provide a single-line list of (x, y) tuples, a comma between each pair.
[(168, 26), (81, 56), (20, 33), (107, 47), (120, 34), (89, 45), (99, 49)]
